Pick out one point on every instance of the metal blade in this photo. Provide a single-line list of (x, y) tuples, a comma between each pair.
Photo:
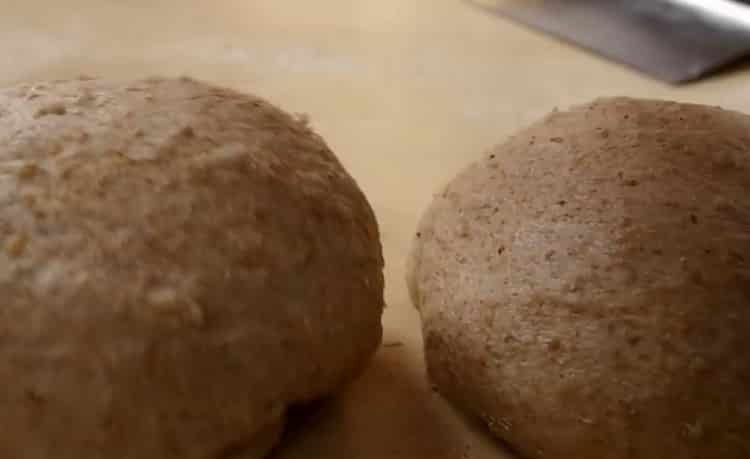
[(672, 40)]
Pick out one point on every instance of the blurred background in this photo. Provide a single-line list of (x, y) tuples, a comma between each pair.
[(406, 92)]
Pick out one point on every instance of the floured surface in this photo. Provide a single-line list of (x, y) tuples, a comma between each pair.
[(405, 92)]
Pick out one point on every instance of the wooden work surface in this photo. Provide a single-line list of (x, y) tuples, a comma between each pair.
[(407, 92)]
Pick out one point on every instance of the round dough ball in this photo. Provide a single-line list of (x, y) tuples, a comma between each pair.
[(585, 288), (179, 263)]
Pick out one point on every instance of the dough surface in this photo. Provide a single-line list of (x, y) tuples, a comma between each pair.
[(585, 287), (179, 263)]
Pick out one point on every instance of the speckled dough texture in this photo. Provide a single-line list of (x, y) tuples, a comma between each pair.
[(179, 263), (585, 287)]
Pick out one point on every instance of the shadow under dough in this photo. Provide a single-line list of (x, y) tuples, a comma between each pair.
[(385, 413)]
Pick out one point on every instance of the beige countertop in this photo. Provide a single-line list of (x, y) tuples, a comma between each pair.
[(405, 91)]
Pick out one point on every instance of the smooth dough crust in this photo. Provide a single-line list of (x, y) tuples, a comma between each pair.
[(179, 263), (585, 287)]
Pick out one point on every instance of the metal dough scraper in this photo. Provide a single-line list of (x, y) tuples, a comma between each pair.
[(673, 40)]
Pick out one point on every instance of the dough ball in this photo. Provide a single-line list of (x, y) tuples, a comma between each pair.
[(585, 287), (179, 263)]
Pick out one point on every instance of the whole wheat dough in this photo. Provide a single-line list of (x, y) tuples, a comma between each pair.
[(179, 263), (585, 287)]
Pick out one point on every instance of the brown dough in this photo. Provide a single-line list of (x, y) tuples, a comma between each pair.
[(585, 288), (179, 263)]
